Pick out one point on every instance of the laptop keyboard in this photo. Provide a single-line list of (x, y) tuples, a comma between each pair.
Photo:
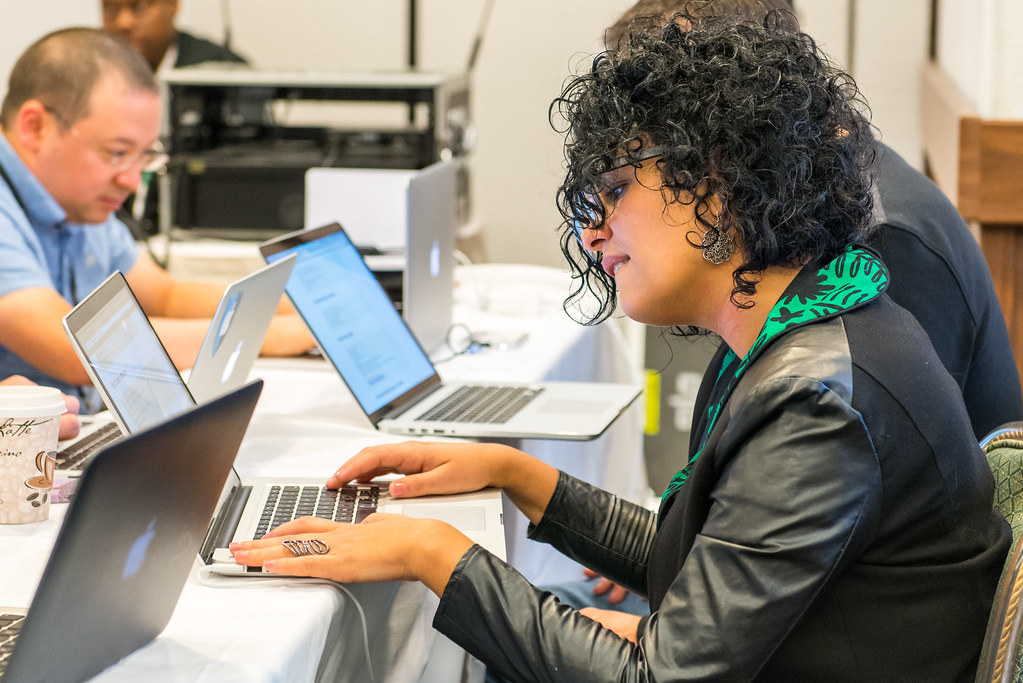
[(10, 627), (74, 456), (350, 504), (489, 405)]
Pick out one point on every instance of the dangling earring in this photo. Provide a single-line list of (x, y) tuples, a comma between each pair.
[(717, 244)]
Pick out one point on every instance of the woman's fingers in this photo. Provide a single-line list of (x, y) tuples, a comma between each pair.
[(300, 526)]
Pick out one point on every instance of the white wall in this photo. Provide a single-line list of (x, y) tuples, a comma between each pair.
[(980, 46), (531, 46)]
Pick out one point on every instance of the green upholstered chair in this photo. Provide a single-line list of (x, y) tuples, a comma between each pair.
[(1001, 658)]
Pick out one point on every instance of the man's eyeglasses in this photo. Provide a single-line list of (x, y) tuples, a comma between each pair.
[(149, 160), (111, 10)]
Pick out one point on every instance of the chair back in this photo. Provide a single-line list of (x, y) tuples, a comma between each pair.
[(1001, 658)]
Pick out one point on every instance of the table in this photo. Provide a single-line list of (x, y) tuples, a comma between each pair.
[(291, 630)]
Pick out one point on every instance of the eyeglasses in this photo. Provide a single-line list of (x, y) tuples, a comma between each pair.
[(149, 160), (111, 10), (633, 159), (637, 157)]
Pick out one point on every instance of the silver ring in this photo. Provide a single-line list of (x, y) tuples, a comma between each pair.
[(313, 546)]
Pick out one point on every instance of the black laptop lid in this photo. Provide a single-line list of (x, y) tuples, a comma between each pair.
[(128, 542)]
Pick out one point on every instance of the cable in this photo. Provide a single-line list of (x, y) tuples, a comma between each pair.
[(225, 15), (208, 577), (481, 30), (365, 629), (461, 258)]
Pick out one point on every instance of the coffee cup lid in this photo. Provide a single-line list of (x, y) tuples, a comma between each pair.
[(30, 401)]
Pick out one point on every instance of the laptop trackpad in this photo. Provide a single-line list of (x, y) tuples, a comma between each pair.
[(574, 407), (466, 517)]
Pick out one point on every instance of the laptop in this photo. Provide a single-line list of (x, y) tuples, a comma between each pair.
[(392, 378), (247, 509), (127, 545), (428, 284), (237, 330), (103, 328), (403, 222)]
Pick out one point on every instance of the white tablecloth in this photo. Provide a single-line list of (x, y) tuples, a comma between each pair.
[(306, 423)]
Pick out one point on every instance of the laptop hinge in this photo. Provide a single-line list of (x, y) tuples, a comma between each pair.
[(397, 412), (225, 522)]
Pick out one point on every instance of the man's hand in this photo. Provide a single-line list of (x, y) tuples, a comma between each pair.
[(624, 624), (603, 585)]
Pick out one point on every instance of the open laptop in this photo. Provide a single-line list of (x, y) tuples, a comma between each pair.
[(392, 378), (103, 328), (236, 332), (247, 509), (408, 218), (127, 545)]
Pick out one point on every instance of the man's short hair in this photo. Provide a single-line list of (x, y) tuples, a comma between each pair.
[(62, 68)]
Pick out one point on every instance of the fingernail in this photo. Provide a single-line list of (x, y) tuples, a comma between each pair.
[(398, 488), (240, 554), (268, 566)]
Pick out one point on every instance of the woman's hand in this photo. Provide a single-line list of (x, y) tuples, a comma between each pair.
[(384, 547), (433, 468), (443, 468)]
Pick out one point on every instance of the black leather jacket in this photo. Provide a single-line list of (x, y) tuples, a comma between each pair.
[(837, 524)]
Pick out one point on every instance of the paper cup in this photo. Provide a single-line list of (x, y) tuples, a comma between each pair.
[(29, 425)]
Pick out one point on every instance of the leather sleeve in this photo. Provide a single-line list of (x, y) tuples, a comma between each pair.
[(598, 530), (796, 499), (525, 634)]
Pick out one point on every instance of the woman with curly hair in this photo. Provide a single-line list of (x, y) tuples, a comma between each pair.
[(833, 517)]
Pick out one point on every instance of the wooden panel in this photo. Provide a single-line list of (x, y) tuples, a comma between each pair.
[(1000, 172), (977, 163), (1003, 248), (967, 197)]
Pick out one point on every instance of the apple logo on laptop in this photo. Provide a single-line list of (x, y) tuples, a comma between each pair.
[(225, 320), (229, 366), (137, 554), (435, 258)]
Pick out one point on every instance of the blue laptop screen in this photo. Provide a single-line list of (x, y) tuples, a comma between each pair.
[(136, 374), (354, 321)]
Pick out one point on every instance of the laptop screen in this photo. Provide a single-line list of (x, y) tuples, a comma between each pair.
[(128, 360), (353, 319)]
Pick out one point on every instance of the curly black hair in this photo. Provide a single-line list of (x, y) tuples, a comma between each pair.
[(752, 112)]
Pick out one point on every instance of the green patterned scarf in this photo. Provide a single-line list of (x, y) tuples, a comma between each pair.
[(852, 279)]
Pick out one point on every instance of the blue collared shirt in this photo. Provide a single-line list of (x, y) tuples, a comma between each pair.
[(40, 248)]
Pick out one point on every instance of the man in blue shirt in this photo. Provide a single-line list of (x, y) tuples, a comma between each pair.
[(80, 123)]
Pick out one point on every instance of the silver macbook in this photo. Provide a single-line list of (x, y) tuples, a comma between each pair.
[(237, 330), (404, 224), (428, 284), (126, 546), (101, 326), (392, 378), (247, 509)]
